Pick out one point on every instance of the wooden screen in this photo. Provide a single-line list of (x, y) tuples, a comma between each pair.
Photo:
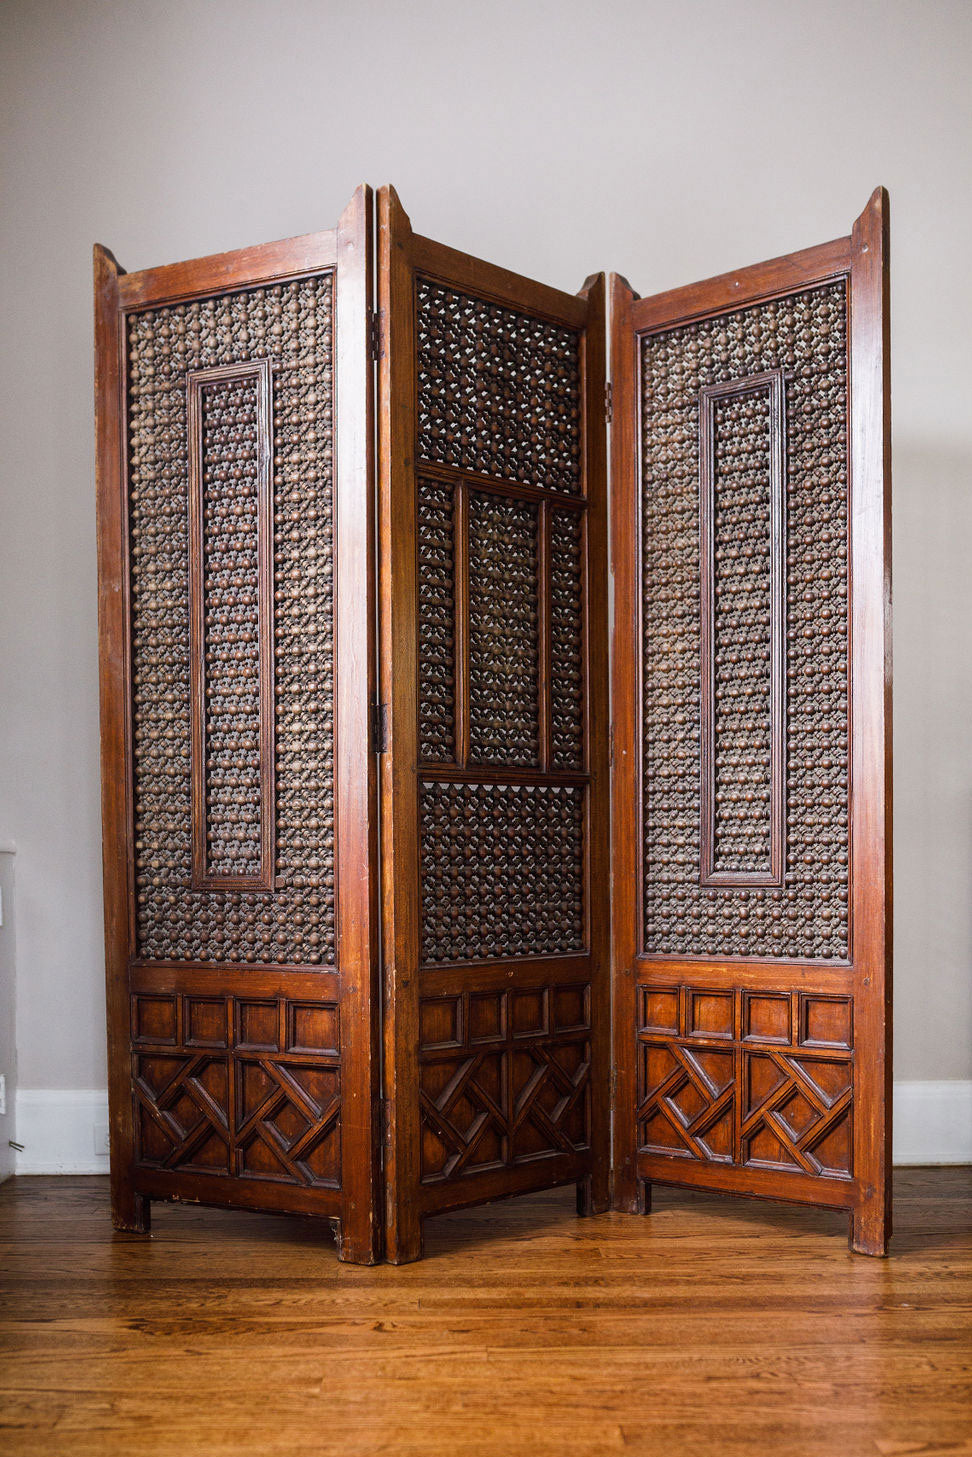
[(751, 834), (236, 553), (494, 826)]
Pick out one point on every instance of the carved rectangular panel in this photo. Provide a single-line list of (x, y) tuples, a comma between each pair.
[(736, 1076), (567, 676), (716, 894), (504, 1078), (437, 621), (498, 390), (742, 457), (241, 1086), (504, 655), (502, 870), (231, 626), (276, 796)]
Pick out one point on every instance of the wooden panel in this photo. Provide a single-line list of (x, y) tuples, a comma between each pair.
[(751, 862), (236, 549), (493, 579)]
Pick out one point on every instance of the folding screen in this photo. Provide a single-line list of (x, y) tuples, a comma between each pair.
[(257, 1057), (236, 617), (494, 780), (751, 717)]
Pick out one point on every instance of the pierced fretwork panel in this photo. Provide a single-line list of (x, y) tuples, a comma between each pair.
[(498, 390), (805, 336), (761, 1079), (290, 325), (502, 870), (436, 588), (231, 571), (504, 660), (566, 641)]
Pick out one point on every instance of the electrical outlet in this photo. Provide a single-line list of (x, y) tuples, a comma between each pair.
[(3, 1094), (101, 1138)]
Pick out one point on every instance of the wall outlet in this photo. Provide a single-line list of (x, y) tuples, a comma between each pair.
[(3, 1094), (101, 1138)]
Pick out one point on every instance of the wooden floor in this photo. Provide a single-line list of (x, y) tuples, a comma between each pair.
[(713, 1326)]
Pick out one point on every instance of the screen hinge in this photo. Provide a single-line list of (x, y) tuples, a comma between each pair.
[(379, 728), (608, 403), (376, 342)]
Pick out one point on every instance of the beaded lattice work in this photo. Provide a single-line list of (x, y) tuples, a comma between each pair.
[(291, 325), (502, 870), (498, 391), (436, 589), (805, 335), (229, 412), (742, 630), (566, 642), (504, 714)]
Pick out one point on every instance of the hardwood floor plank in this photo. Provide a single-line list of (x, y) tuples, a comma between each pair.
[(716, 1326)]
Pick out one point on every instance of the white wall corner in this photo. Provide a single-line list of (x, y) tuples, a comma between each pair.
[(65, 1131)]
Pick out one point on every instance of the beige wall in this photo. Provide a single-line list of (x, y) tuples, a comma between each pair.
[(668, 141)]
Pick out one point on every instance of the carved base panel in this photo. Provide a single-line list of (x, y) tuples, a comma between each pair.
[(238, 1086), (752, 1079), (504, 1079)]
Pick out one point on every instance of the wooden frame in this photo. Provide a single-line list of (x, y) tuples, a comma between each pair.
[(864, 982), (404, 256), (346, 254)]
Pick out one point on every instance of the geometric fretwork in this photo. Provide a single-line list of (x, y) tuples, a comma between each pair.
[(687, 1107), (797, 1112), (516, 1088), (182, 1103), (288, 1122), (247, 1087), (741, 1078)]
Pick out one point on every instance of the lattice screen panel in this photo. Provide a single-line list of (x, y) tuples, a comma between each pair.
[(290, 325), (804, 336)]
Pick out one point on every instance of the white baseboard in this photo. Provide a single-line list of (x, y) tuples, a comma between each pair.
[(64, 1131), (933, 1122)]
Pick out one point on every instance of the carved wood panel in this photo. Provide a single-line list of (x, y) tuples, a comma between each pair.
[(754, 1078), (247, 1087), (505, 1078)]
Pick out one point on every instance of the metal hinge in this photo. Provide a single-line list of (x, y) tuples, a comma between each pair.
[(379, 728), (608, 403), (376, 342)]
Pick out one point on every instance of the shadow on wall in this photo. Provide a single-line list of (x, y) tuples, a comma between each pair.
[(932, 564)]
